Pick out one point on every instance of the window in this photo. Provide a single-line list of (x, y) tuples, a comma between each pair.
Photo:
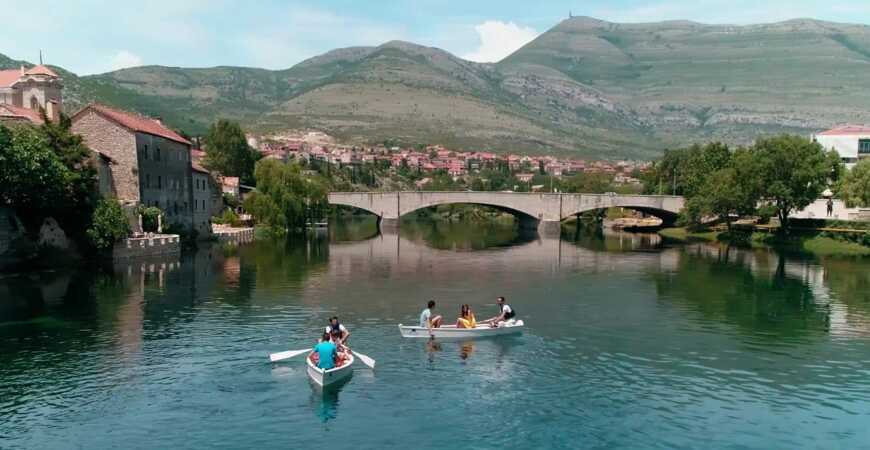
[(145, 151), (864, 146), (157, 156), (147, 181), (159, 182)]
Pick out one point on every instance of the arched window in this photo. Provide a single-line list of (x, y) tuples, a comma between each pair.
[(34, 104)]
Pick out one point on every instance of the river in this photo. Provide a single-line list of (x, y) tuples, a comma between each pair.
[(630, 343)]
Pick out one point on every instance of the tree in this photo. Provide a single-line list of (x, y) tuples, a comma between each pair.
[(46, 171), (227, 151), (285, 198), (792, 172), (855, 187), (727, 192), (590, 183), (683, 171), (108, 225)]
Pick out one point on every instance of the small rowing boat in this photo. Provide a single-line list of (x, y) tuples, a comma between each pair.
[(325, 377), (452, 332)]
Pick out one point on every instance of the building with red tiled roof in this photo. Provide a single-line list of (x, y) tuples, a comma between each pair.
[(851, 142), (10, 113), (23, 92), (134, 122), (151, 164)]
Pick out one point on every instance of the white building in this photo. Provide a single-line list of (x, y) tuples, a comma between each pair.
[(851, 142)]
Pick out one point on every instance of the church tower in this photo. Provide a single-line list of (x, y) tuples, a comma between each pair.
[(40, 87)]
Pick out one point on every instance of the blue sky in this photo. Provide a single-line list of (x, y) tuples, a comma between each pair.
[(93, 36)]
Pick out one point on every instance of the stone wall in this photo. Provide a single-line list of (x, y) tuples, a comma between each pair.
[(119, 144), (161, 244)]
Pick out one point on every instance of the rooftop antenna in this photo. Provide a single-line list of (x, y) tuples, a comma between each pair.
[(40, 57)]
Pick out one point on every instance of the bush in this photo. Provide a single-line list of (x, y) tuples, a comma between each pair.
[(227, 217), (108, 225), (149, 217)]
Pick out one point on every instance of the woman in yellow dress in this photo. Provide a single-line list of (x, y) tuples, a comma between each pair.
[(466, 318)]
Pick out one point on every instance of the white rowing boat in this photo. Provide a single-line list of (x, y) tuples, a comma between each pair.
[(451, 332), (326, 377)]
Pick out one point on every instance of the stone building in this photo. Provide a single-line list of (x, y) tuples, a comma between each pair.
[(24, 92), (206, 198), (148, 163)]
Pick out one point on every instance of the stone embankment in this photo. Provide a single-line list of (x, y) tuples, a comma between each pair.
[(147, 245), (232, 234)]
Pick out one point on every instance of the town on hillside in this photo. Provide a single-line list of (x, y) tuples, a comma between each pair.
[(143, 163)]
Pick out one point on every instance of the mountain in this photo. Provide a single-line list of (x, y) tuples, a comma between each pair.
[(586, 87)]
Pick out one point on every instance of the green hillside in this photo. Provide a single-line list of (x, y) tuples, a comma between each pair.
[(586, 87)]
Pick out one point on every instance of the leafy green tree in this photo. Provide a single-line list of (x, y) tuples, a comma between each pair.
[(477, 184), (33, 177), (227, 151), (108, 225), (725, 194), (855, 187), (590, 183), (46, 171), (791, 172), (285, 198), (684, 171)]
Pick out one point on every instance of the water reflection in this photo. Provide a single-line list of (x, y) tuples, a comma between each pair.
[(324, 400), (677, 339)]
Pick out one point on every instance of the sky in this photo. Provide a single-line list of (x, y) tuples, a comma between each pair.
[(96, 36)]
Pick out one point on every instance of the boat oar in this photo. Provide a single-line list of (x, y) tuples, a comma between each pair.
[(285, 355), (365, 359)]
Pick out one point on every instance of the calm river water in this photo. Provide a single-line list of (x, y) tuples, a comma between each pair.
[(630, 343)]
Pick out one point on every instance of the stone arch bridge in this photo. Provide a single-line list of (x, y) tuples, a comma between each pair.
[(540, 211)]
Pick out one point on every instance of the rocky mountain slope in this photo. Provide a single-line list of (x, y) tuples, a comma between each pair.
[(586, 87)]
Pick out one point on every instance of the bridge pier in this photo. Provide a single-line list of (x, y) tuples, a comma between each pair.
[(550, 228), (388, 224)]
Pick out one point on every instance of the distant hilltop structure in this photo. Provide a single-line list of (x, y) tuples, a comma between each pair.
[(23, 92)]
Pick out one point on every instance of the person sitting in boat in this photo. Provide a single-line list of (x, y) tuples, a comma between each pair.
[(505, 313), (327, 352), (426, 319), (337, 332), (466, 318)]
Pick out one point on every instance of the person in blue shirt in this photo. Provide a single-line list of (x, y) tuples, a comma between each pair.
[(327, 352)]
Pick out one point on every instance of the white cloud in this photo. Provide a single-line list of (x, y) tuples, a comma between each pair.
[(499, 39), (124, 59)]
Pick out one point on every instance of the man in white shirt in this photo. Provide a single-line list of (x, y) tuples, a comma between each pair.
[(337, 332), (426, 319), (505, 313)]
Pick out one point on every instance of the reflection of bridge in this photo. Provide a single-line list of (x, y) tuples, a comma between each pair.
[(534, 210)]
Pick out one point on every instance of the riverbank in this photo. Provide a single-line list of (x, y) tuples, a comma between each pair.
[(814, 244)]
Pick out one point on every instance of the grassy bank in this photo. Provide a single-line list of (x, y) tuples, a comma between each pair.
[(806, 243)]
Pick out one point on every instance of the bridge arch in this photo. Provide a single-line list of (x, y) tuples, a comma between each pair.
[(540, 210), (666, 208)]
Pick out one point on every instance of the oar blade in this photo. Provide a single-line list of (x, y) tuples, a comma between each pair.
[(280, 356), (365, 359)]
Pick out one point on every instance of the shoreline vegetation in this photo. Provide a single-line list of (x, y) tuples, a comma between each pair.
[(819, 244)]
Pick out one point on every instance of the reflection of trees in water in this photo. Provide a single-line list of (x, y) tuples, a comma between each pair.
[(353, 228), (849, 281), (594, 237), (766, 305), (279, 262), (464, 235)]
